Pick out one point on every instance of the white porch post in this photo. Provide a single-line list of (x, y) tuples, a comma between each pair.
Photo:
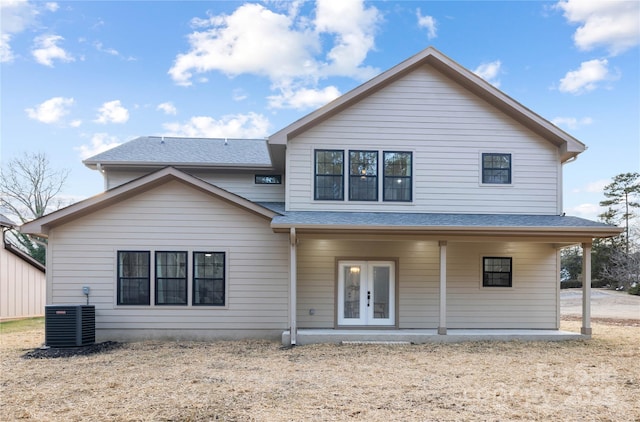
[(442, 320), (586, 289), (293, 271)]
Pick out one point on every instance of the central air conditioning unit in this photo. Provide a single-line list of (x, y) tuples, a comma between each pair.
[(69, 325)]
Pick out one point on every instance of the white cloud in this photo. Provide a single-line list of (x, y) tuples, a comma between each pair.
[(251, 125), (101, 48), (52, 6), (100, 142), (490, 72), (428, 22), (15, 17), (6, 54), (572, 122), (239, 94), (586, 78), (353, 27), (251, 40), (75, 123), (284, 47), (593, 187), (46, 50), (51, 110), (614, 24), (303, 98), (112, 112), (588, 211), (167, 108), (111, 51)]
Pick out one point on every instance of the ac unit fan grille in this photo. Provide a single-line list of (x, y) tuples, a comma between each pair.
[(70, 325)]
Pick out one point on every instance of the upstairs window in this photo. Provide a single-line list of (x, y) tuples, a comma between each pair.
[(363, 175), (496, 168), (171, 278), (397, 176), (496, 272), (208, 278), (329, 175), (274, 179), (133, 277)]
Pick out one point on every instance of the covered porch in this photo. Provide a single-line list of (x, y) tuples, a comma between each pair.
[(448, 302)]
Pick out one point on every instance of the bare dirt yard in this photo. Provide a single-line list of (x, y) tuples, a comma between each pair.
[(595, 380)]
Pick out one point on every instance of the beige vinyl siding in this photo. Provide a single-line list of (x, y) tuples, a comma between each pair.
[(22, 287), (175, 217), (417, 274), (447, 129), (531, 303), (241, 184)]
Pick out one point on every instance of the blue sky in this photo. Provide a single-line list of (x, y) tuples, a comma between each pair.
[(78, 77)]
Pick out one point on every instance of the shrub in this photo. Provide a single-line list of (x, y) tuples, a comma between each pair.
[(635, 290), (600, 284), (571, 284)]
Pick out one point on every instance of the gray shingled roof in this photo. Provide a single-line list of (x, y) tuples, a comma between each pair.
[(165, 151), (327, 219)]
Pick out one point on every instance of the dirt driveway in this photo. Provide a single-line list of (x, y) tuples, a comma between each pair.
[(604, 304)]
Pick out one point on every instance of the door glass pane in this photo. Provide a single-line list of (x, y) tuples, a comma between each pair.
[(381, 299), (352, 291)]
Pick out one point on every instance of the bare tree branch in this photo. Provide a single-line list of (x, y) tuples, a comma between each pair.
[(28, 190)]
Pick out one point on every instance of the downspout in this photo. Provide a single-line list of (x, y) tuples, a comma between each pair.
[(104, 177)]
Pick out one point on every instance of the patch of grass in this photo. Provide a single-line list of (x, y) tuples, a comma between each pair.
[(18, 325)]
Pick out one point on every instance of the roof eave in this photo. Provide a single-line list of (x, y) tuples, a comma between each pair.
[(94, 165), (547, 231), (42, 225), (454, 71)]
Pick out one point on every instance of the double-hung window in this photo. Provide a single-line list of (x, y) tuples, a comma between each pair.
[(171, 278), (496, 168), (208, 278), (397, 176), (496, 272), (363, 175), (329, 175), (133, 278)]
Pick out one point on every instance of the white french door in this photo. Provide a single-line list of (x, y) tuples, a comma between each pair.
[(366, 293)]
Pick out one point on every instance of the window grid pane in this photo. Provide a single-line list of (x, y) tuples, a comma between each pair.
[(363, 175), (497, 272), (209, 278), (496, 168), (329, 181), (397, 176), (171, 278), (133, 278)]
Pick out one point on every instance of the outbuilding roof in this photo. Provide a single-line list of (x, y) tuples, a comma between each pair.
[(161, 151)]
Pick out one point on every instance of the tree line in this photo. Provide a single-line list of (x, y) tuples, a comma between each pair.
[(615, 262)]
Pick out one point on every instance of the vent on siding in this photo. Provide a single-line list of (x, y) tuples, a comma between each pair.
[(69, 325)]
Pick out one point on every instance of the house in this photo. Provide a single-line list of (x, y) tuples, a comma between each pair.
[(22, 280), (424, 205)]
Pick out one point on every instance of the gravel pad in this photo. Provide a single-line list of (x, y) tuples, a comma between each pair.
[(66, 352)]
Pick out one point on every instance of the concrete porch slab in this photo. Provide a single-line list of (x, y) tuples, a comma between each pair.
[(313, 336)]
